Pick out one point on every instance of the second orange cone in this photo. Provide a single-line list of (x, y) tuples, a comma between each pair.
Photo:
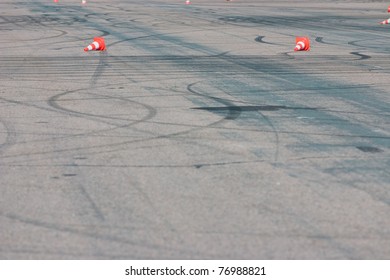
[(97, 45), (302, 44)]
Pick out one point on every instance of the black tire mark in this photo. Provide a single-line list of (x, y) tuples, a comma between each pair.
[(93, 234), (154, 137), (140, 166), (10, 138), (185, 132), (54, 103), (56, 108), (98, 15), (259, 39), (233, 111), (62, 33), (321, 41), (362, 56), (99, 68), (276, 133), (13, 22), (288, 55), (355, 43), (95, 208)]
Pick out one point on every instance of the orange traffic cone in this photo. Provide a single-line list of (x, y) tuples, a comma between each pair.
[(387, 21), (388, 9), (188, 2), (83, 2), (97, 45), (302, 44), (55, 1)]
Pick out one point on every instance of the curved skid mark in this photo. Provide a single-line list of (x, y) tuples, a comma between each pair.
[(54, 103), (119, 146), (123, 145), (259, 39), (103, 33), (41, 38), (321, 41), (288, 55), (356, 43), (362, 56), (235, 111)]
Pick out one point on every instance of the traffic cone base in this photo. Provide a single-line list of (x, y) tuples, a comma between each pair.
[(97, 45), (302, 44)]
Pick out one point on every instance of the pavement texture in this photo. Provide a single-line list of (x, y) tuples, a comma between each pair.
[(198, 134)]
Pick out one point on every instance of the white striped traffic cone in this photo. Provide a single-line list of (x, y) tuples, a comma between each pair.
[(302, 44), (97, 45), (387, 21)]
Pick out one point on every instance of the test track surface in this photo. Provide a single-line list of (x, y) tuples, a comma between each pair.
[(198, 134)]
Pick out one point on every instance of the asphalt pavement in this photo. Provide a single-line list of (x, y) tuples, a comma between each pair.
[(198, 134)]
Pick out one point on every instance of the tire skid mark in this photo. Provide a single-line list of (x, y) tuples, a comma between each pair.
[(260, 39), (99, 69), (362, 56), (7, 20), (61, 33), (54, 108), (55, 100), (123, 145), (235, 111), (10, 138), (93, 235), (321, 41), (152, 112), (60, 254), (140, 166), (288, 55), (276, 133), (314, 23), (98, 213), (119, 144)]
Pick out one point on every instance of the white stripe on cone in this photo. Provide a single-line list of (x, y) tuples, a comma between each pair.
[(300, 46), (96, 44), (387, 21), (93, 46)]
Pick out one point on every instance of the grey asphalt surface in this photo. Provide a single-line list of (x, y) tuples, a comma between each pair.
[(198, 134)]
